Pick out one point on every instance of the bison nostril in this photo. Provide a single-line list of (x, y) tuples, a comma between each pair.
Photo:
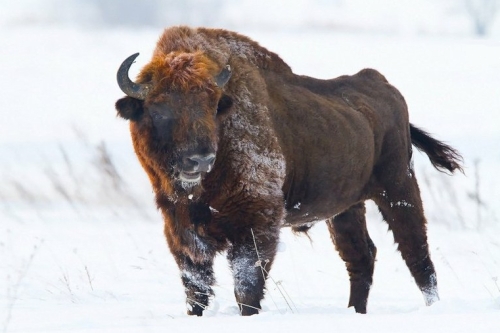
[(190, 162), (200, 163)]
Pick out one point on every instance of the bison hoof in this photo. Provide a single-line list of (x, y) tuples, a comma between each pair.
[(360, 309), (248, 311), (195, 310), (431, 296)]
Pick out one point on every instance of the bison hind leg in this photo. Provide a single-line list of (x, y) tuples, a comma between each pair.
[(401, 208), (350, 237)]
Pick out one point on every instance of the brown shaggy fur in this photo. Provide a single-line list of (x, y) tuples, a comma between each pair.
[(289, 150)]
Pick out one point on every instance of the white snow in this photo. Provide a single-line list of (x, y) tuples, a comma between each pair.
[(401, 203), (81, 243)]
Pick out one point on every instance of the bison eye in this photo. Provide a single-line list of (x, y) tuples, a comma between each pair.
[(156, 116), (160, 112), (224, 105)]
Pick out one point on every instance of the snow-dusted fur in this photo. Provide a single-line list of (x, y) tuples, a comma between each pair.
[(290, 150)]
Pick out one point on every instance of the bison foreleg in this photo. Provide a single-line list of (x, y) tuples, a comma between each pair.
[(250, 262), (198, 279)]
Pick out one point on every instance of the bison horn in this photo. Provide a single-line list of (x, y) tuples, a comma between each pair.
[(130, 88), (223, 77)]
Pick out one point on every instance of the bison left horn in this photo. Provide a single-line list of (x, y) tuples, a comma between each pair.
[(130, 88), (223, 77)]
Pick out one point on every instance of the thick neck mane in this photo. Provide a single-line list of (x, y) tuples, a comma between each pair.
[(220, 45)]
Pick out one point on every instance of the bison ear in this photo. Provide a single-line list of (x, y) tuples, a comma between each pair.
[(224, 106), (129, 108)]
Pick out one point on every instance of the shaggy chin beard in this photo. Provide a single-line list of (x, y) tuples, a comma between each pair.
[(188, 185), (189, 188)]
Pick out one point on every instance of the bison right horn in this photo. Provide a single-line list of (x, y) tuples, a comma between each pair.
[(130, 88), (223, 77)]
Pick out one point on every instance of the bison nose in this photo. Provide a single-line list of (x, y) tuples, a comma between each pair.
[(200, 163)]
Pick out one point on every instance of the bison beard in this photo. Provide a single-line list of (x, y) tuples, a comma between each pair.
[(236, 146)]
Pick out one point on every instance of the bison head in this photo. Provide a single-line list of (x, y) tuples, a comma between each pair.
[(175, 109)]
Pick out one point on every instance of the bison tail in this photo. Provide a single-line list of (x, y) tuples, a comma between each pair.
[(442, 156)]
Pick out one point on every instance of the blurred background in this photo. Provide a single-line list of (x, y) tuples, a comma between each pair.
[(422, 17)]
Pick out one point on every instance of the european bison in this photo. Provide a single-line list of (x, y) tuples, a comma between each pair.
[(237, 146)]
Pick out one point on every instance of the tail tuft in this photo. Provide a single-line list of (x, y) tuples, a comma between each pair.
[(443, 157)]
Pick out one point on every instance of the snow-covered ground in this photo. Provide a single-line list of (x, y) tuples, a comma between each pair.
[(81, 244)]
